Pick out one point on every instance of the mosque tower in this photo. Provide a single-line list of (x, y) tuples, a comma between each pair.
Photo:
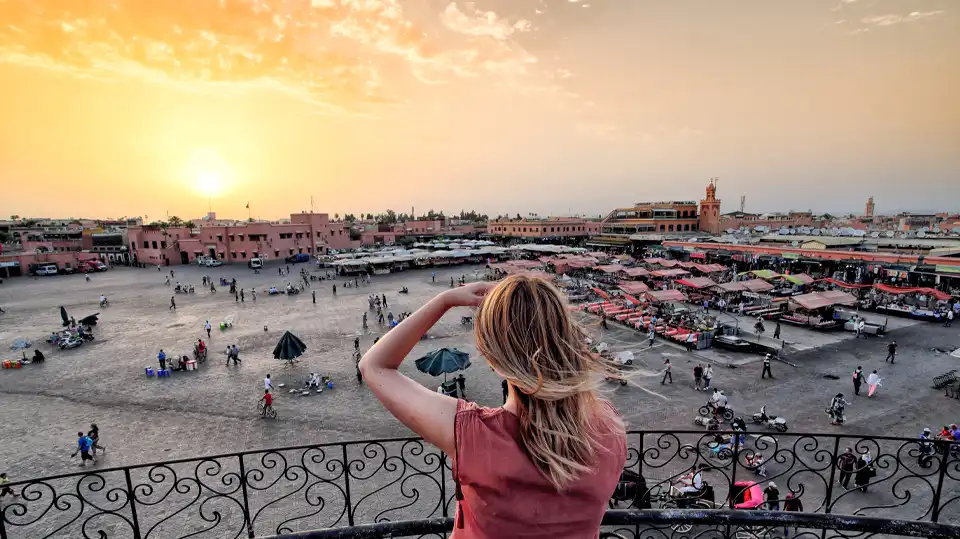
[(709, 218)]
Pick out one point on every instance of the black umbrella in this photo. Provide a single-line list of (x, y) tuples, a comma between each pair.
[(63, 315), (443, 361), (290, 347), (90, 320)]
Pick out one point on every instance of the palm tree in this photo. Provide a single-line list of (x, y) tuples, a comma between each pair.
[(175, 221)]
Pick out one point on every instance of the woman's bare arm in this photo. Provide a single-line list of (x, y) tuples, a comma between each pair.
[(424, 411)]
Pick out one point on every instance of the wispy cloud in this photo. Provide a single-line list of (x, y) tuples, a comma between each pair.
[(340, 54), (893, 18)]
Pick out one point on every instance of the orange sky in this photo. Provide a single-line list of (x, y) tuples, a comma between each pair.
[(127, 107)]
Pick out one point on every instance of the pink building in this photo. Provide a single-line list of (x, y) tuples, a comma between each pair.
[(550, 227), (310, 233)]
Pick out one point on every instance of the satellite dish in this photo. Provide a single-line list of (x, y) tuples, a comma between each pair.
[(815, 231), (834, 231), (936, 230), (795, 243), (804, 230), (924, 230), (793, 230), (783, 231), (875, 235), (889, 234), (694, 240), (859, 233), (730, 231), (909, 234), (922, 233)]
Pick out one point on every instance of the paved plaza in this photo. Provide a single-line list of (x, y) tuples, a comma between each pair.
[(213, 410)]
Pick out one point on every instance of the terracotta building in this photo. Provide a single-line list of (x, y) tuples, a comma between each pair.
[(549, 227), (652, 218)]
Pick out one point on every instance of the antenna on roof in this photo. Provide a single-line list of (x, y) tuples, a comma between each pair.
[(743, 202)]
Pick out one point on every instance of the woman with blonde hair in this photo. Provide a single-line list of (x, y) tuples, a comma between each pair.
[(546, 463)]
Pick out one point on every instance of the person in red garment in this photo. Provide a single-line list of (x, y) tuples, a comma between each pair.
[(545, 464)]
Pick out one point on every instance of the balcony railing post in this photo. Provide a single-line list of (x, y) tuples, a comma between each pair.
[(246, 502), (733, 472), (943, 470), (346, 485), (833, 474), (443, 483), (133, 505)]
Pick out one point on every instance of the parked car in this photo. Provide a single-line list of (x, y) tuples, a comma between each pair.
[(255, 263), (301, 257), (212, 263), (47, 269)]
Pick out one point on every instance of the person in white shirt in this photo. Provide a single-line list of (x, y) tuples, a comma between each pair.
[(692, 482), (267, 383)]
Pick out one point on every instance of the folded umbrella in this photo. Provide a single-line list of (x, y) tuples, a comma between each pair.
[(63, 315), (289, 348)]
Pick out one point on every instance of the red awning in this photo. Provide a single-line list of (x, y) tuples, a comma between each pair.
[(634, 288), (601, 293), (697, 282), (819, 300), (669, 273), (942, 296), (611, 268), (669, 263), (636, 272), (631, 299), (710, 268), (731, 287), (757, 285), (525, 263), (666, 296), (698, 256), (652, 260)]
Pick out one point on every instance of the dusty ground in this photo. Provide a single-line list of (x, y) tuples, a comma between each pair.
[(213, 410)]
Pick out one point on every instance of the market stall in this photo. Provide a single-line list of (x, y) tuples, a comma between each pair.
[(816, 309)]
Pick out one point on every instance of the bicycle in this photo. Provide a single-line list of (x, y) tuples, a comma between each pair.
[(272, 414)]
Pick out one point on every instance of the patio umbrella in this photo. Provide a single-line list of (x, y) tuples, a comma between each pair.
[(443, 361), (90, 320), (64, 317), (289, 348)]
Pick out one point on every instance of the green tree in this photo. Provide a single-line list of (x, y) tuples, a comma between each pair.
[(336, 217), (349, 218), (174, 221), (191, 224)]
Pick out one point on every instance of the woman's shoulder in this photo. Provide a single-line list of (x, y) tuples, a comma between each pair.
[(471, 409)]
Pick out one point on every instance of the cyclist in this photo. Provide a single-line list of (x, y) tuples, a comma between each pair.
[(267, 400), (719, 403)]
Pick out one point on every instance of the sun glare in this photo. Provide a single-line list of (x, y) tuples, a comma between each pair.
[(207, 172)]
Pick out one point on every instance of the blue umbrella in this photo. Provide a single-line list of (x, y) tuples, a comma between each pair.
[(443, 361), (289, 347)]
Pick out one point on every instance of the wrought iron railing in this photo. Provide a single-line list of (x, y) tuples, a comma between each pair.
[(372, 488)]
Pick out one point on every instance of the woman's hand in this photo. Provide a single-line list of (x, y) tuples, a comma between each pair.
[(470, 295)]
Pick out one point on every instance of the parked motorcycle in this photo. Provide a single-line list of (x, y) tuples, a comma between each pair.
[(70, 341), (710, 409), (770, 421)]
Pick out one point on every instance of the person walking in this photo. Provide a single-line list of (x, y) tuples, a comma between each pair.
[(652, 335), (698, 377), (84, 444), (267, 383), (241, 295), (847, 465), (162, 358), (253, 294), (433, 276), (314, 295), (236, 296), (94, 435), (772, 496), (385, 301), (173, 304), (857, 380), (207, 327), (766, 367), (861, 328), (891, 352), (356, 343), (873, 382), (949, 321), (707, 376), (4, 481), (565, 447), (776, 330), (864, 472), (667, 372), (790, 503), (334, 290)]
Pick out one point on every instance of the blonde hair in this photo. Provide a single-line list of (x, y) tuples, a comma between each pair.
[(524, 330)]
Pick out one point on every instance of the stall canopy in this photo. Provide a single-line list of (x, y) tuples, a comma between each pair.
[(843, 284), (666, 296), (634, 288), (653, 261), (762, 274), (610, 268), (669, 273), (819, 300), (757, 285), (697, 282), (632, 299), (636, 272), (669, 263), (941, 296), (798, 279), (710, 268), (732, 287)]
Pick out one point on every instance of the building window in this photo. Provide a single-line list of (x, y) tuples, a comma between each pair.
[(243, 254), (686, 228), (154, 244), (662, 228), (276, 253), (163, 245), (291, 252), (220, 238), (670, 228), (233, 254), (299, 235), (146, 244), (318, 234), (240, 236)]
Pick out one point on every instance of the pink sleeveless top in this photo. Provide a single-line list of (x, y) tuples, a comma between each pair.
[(504, 495)]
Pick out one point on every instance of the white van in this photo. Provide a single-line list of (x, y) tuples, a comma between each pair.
[(47, 269), (255, 263)]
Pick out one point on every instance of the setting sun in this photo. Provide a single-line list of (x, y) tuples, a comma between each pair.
[(207, 172)]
